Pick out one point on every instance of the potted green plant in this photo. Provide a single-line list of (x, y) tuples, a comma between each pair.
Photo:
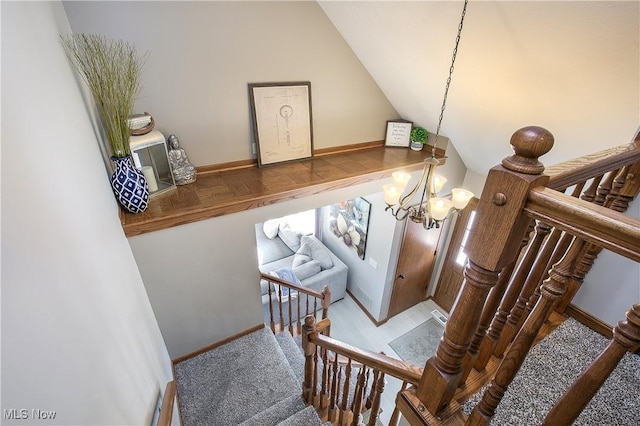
[(112, 69), (418, 138)]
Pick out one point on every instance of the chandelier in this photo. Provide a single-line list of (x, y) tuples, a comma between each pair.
[(431, 210)]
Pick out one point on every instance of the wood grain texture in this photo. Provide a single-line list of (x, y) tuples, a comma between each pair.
[(240, 186), (390, 366), (595, 224), (166, 410), (572, 172)]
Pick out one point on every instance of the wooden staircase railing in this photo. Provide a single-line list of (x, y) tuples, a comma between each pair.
[(351, 380), (529, 252), (292, 303)]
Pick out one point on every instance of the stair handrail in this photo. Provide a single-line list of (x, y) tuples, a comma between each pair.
[(324, 297), (598, 225), (291, 285), (402, 370), (568, 173)]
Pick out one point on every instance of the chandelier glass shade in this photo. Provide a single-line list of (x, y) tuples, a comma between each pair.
[(431, 209)]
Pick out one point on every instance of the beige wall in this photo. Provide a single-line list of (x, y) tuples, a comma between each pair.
[(203, 54), (79, 336)]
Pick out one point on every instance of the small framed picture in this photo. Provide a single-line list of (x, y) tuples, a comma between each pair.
[(398, 132), (281, 114)]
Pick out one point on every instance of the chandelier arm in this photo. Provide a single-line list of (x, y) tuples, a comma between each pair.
[(404, 201)]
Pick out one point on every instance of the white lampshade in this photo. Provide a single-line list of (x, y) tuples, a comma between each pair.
[(439, 208), (391, 194), (461, 197), (400, 179), (438, 183)]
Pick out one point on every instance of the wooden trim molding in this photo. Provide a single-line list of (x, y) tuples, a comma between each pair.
[(223, 189), (217, 344), (166, 410), (367, 313), (590, 321)]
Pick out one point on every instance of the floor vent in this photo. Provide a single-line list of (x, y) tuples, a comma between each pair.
[(439, 316)]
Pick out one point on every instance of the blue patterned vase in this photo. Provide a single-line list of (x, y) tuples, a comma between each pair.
[(129, 185)]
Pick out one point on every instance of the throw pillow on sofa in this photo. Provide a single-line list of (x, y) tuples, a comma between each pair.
[(307, 269), (312, 247), (290, 237)]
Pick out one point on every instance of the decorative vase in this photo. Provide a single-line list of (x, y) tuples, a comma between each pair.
[(417, 146), (129, 185)]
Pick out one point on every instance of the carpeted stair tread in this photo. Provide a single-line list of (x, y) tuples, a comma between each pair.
[(277, 413), (306, 417), (293, 353), (550, 369), (232, 383)]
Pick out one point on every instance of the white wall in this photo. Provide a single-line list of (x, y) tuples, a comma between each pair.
[(368, 284), (78, 333), (569, 66), (203, 54), (202, 278)]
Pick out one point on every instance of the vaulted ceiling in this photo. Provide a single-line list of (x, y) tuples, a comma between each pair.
[(571, 67)]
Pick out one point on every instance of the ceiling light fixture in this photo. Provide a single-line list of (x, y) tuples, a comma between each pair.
[(431, 210)]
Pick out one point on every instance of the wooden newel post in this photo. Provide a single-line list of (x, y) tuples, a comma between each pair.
[(493, 243), (309, 349)]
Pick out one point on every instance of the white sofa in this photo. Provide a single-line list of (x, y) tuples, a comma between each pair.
[(312, 262)]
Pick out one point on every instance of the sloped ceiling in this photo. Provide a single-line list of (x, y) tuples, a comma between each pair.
[(571, 67)]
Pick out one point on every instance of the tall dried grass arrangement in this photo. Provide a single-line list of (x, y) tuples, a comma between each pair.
[(111, 69)]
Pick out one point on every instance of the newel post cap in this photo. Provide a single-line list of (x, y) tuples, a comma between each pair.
[(529, 143)]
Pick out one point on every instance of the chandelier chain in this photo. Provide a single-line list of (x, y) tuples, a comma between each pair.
[(446, 88)]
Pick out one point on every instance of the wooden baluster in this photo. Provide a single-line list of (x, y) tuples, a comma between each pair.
[(481, 349), (493, 300), (299, 323), (280, 308), (626, 337), (492, 336), (358, 396), (324, 397), (370, 396), (335, 389), (290, 314), (552, 290), (326, 301), (559, 242), (316, 403), (309, 350), (271, 321), (495, 295), (344, 406), (559, 251), (493, 244), (375, 405), (395, 416), (315, 306), (530, 279), (590, 193), (604, 188), (307, 310), (622, 190)]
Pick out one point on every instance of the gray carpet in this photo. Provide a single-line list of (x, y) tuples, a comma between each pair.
[(419, 344), (536, 387), (248, 379)]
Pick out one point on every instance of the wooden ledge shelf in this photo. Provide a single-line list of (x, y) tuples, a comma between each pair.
[(240, 186)]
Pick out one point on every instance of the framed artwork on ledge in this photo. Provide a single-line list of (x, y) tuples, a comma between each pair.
[(349, 221), (282, 125), (398, 132)]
